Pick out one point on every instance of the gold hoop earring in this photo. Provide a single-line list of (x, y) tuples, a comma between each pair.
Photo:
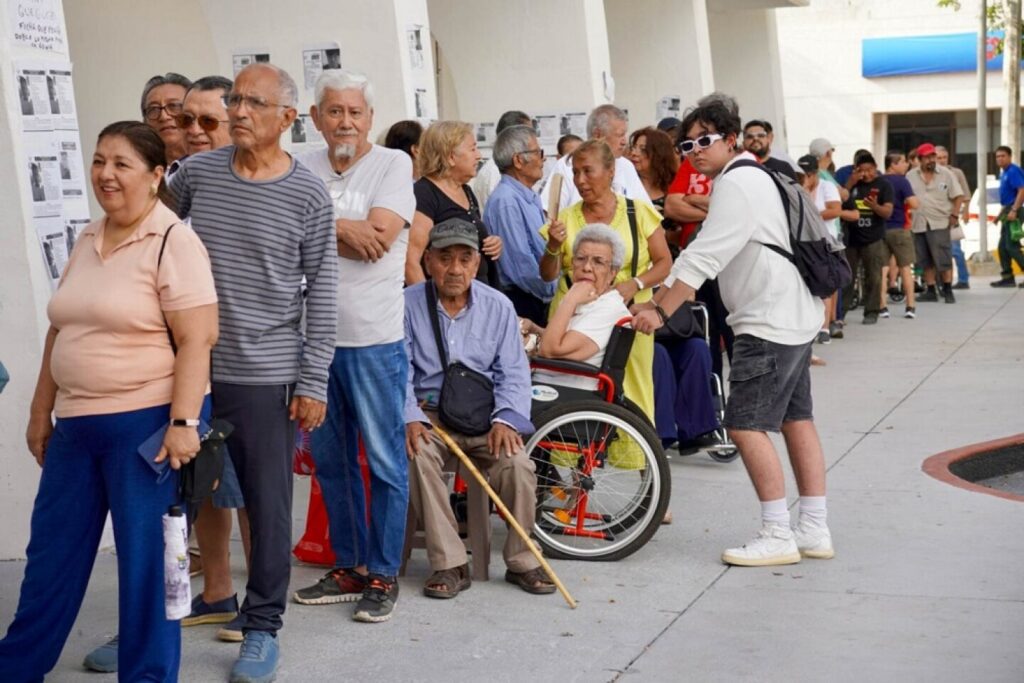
[(153, 190)]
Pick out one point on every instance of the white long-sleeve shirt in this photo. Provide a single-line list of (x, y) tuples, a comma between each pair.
[(764, 293), (626, 183)]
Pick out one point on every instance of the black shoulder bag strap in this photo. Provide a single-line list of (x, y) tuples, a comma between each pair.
[(435, 322), (159, 260), (634, 234)]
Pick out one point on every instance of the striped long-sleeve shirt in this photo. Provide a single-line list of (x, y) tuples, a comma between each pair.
[(263, 237)]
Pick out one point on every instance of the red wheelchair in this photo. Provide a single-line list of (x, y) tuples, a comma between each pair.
[(603, 482)]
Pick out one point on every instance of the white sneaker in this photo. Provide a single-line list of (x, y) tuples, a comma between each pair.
[(814, 541), (774, 544)]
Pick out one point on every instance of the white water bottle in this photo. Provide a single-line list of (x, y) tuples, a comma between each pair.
[(177, 587)]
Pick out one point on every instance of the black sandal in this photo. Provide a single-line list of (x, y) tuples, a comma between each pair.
[(534, 581), (454, 580)]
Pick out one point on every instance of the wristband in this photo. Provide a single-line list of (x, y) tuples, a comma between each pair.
[(661, 314), (551, 253), (177, 422), (639, 284)]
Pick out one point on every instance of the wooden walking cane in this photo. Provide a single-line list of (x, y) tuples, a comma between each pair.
[(504, 511)]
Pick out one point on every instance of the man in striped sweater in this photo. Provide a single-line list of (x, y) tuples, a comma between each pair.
[(267, 223)]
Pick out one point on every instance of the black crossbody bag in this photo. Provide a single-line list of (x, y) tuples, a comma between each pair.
[(467, 396), (201, 476)]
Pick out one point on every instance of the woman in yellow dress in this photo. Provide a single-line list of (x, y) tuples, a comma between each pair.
[(593, 167)]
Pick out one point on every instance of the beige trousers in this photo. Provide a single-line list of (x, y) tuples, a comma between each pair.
[(513, 479)]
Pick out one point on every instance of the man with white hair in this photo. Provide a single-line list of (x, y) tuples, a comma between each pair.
[(609, 123), (373, 207)]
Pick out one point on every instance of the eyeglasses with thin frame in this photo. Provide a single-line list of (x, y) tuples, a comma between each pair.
[(703, 142), (206, 122), (597, 261), (234, 101), (153, 111), (539, 152)]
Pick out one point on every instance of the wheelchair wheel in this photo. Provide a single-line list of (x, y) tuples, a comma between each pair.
[(724, 453), (603, 482)]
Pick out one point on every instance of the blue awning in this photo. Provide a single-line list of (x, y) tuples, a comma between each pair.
[(911, 55)]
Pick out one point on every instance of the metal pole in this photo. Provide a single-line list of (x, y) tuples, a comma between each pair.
[(982, 125)]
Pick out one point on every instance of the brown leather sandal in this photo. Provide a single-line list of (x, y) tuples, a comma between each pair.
[(535, 581), (447, 583)]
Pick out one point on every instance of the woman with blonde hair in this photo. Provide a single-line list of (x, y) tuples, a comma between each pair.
[(447, 161)]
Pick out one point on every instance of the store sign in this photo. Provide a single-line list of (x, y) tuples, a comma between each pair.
[(915, 55)]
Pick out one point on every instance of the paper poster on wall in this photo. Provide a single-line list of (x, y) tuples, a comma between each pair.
[(33, 96), (668, 106), (546, 126), (243, 57), (574, 123), (60, 90), (317, 58), (44, 173), (423, 109), (303, 131), (37, 24), (72, 171), (485, 134), (73, 227), (53, 242), (415, 40)]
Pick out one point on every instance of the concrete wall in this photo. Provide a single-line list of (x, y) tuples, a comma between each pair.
[(24, 291), (745, 55), (534, 55), (660, 48), (825, 95)]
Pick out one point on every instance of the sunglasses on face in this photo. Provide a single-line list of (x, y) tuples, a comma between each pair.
[(703, 142), (206, 122), (153, 111)]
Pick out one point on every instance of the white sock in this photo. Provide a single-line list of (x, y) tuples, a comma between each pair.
[(813, 511), (774, 512)]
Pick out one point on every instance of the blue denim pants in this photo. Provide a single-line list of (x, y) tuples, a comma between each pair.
[(92, 466), (683, 405), (365, 397), (962, 274)]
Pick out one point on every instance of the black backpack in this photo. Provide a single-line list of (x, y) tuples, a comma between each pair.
[(817, 254)]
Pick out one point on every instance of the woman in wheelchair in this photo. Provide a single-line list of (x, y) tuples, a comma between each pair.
[(583, 322)]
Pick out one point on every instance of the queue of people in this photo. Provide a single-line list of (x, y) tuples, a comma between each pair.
[(331, 291)]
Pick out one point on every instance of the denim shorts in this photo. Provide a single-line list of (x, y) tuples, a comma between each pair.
[(229, 491), (769, 384)]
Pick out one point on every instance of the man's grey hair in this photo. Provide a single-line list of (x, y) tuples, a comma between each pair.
[(600, 233), (343, 79), (940, 148), (601, 118), (169, 78), (728, 101), (510, 142)]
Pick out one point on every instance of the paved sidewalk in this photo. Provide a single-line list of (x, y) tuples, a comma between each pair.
[(927, 583)]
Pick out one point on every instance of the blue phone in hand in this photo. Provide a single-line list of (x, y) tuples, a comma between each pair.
[(150, 449)]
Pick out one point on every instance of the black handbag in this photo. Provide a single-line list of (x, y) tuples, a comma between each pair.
[(467, 396), (682, 324), (200, 477)]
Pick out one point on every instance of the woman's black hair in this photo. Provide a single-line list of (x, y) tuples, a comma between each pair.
[(403, 135), (146, 143)]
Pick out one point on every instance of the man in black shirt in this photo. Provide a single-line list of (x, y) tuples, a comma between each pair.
[(872, 197), (757, 139)]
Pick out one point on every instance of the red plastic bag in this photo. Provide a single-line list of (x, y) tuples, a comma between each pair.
[(302, 460), (315, 545)]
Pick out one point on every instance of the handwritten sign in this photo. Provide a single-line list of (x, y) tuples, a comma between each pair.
[(37, 24)]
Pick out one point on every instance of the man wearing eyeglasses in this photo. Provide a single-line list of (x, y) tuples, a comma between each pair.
[(373, 208), (775, 318), (266, 222), (515, 214), (757, 139), (162, 98)]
